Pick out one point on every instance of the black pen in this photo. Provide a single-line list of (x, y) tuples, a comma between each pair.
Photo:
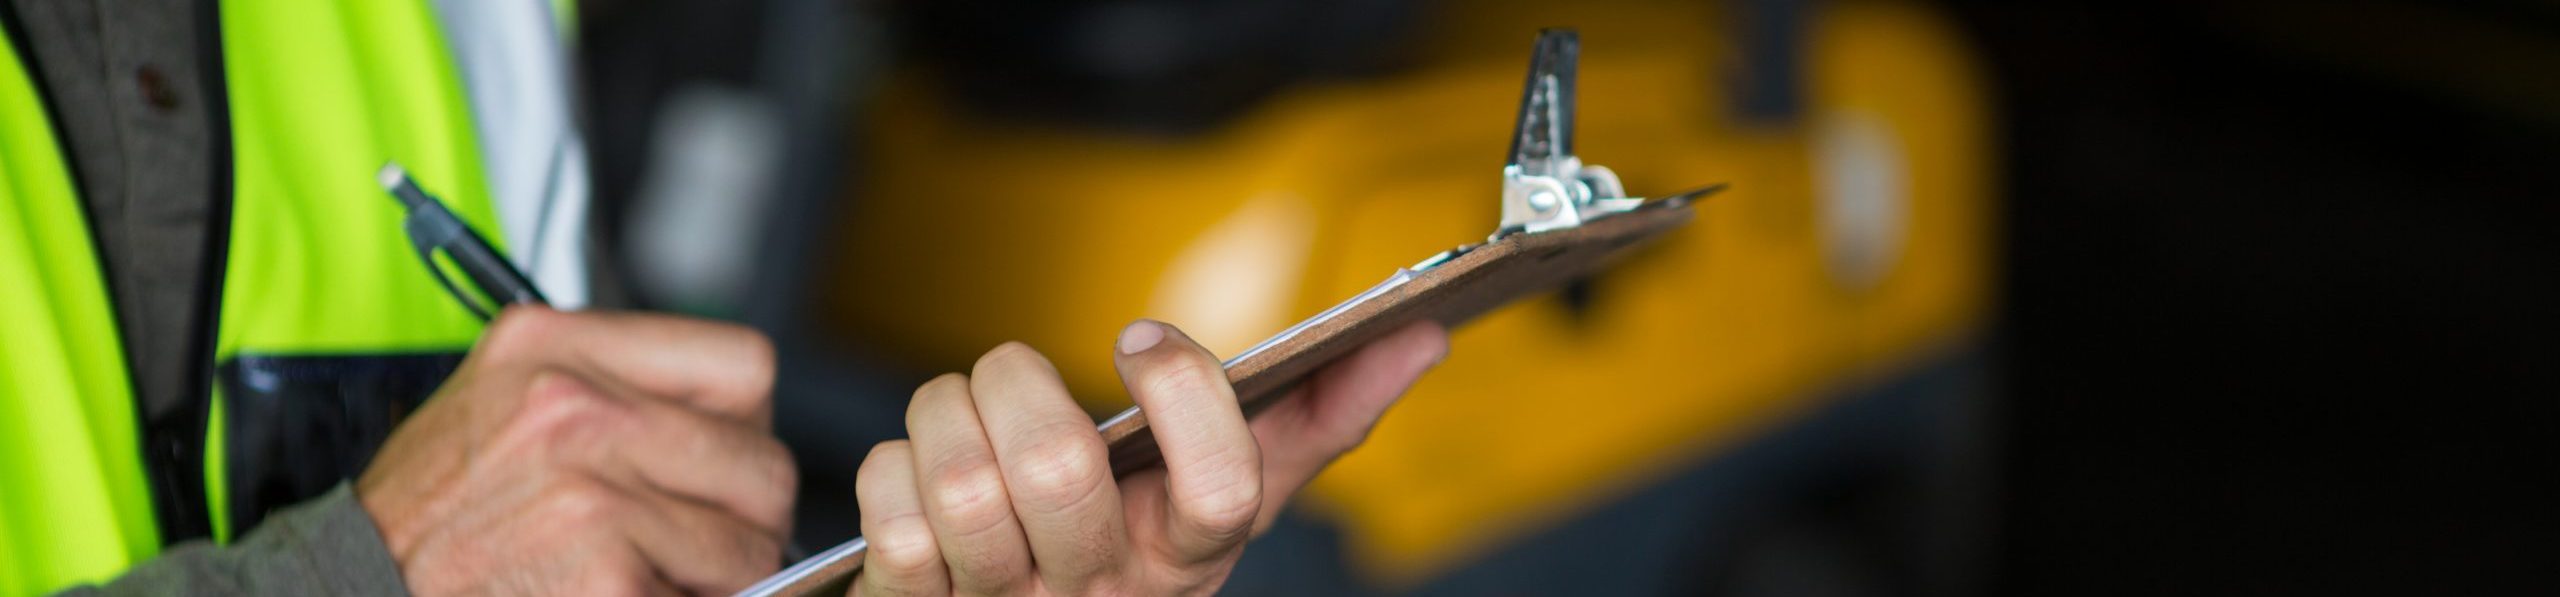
[(431, 226)]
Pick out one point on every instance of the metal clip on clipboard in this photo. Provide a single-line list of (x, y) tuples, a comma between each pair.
[(1560, 219), (1544, 187)]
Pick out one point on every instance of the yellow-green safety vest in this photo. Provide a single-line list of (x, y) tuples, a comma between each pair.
[(320, 94)]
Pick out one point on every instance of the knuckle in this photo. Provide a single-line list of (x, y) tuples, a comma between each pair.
[(581, 502), (1007, 357), (561, 408), (903, 546), (1184, 377), (1224, 507), (884, 454), (559, 394), (969, 496), (1060, 467), (947, 383), (942, 388), (518, 330)]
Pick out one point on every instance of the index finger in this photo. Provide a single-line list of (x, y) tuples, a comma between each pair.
[(719, 368)]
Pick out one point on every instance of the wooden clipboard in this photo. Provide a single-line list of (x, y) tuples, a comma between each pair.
[(1561, 220), (1452, 287)]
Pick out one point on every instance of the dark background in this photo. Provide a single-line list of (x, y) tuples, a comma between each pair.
[(2278, 276), (2280, 280)]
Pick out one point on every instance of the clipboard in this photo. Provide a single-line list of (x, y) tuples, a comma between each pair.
[(1561, 220)]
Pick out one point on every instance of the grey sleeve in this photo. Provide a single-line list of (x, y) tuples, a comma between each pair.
[(326, 546)]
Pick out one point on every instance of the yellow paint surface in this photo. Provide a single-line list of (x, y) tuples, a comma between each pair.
[(969, 233)]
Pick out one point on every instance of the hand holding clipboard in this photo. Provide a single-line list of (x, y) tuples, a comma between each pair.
[(1562, 220)]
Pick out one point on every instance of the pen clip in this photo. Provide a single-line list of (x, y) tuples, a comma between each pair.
[(432, 228)]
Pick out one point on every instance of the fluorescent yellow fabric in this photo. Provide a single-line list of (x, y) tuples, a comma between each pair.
[(73, 506), (321, 95)]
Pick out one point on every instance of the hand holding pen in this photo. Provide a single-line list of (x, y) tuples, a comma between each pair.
[(579, 452)]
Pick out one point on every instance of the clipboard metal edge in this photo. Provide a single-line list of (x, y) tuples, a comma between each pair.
[(1545, 189), (795, 579)]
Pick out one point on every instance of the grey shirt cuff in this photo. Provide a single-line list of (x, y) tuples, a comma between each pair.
[(326, 546)]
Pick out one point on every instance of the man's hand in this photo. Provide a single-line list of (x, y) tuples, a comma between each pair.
[(590, 454), (1003, 486)]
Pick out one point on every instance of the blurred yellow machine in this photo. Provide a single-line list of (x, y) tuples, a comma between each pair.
[(1855, 243)]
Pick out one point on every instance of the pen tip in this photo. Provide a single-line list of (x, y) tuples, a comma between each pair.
[(391, 175)]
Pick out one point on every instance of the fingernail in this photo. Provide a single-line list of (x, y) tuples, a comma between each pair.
[(1140, 336)]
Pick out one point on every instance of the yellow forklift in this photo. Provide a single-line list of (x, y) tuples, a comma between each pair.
[(1790, 380)]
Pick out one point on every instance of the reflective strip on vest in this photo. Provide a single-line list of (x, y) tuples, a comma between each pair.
[(73, 506)]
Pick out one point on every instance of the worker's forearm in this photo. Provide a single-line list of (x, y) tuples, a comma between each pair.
[(326, 546)]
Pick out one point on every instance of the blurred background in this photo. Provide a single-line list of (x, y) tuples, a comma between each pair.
[(2036, 298)]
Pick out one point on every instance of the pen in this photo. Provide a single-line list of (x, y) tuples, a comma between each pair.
[(431, 226)]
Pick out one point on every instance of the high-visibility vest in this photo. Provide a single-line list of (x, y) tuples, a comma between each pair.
[(320, 291)]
